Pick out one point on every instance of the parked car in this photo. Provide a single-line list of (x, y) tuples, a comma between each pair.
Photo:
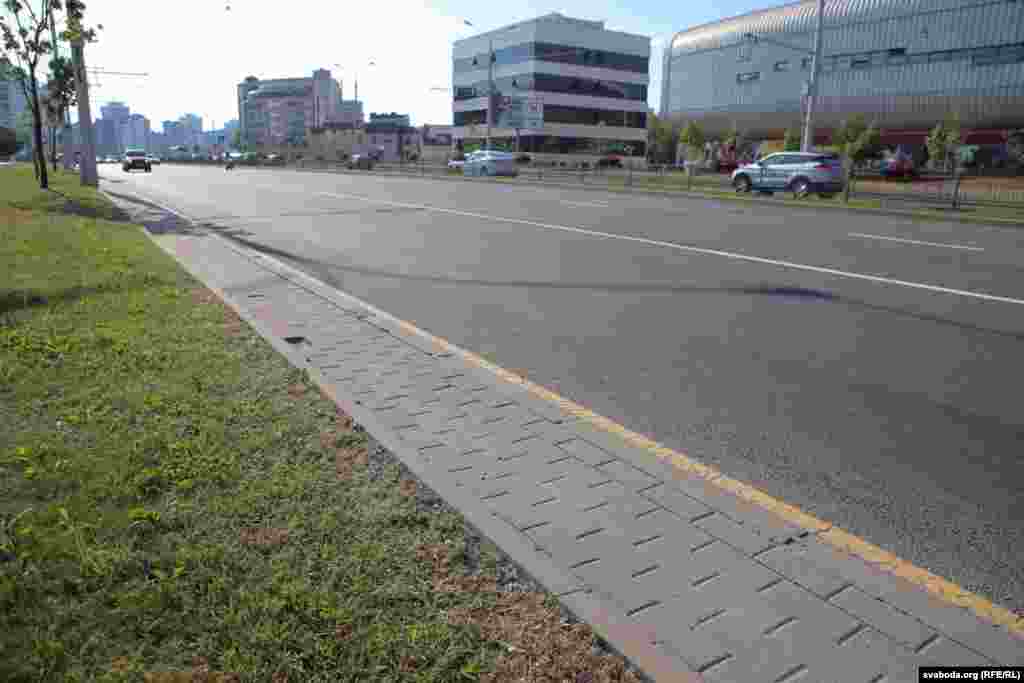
[(801, 173), (360, 161), (897, 166), (490, 163), (136, 159)]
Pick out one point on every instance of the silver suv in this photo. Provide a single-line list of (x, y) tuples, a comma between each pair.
[(798, 172)]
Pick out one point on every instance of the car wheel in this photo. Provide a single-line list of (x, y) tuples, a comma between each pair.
[(742, 183), (485, 171), (800, 187)]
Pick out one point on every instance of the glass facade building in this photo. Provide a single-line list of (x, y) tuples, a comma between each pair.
[(591, 83)]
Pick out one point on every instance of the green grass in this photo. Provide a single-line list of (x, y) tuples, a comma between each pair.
[(138, 442)]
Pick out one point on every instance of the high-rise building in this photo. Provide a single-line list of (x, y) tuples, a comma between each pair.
[(135, 132), (279, 111), (560, 86), (117, 113)]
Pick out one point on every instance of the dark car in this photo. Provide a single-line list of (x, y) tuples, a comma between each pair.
[(360, 161), (136, 159)]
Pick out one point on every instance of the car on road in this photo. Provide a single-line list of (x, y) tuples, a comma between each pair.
[(153, 160), (801, 173), (136, 159), (360, 161), (490, 163)]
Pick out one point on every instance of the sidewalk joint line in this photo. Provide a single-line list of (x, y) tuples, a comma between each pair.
[(775, 628), (701, 546), (645, 571), (704, 580), (587, 534), (846, 586), (702, 516), (792, 674), (584, 563), (926, 644), (714, 662), (645, 540), (646, 606), (598, 506), (771, 584), (711, 616), (851, 634)]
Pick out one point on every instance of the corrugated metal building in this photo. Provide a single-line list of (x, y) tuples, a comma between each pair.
[(903, 63)]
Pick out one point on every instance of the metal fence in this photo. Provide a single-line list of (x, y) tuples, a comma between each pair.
[(958, 191)]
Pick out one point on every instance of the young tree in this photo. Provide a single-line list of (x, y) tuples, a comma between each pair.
[(60, 96), (944, 140), (692, 137), (857, 141), (661, 138), (791, 143), (24, 30)]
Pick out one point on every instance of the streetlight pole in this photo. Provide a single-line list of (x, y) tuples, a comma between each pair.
[(490, 92), (812, 91)]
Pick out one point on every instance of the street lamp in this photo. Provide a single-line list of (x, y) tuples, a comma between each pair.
[(807, 139)]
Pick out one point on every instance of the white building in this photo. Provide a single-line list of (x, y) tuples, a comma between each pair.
[(588, 85)]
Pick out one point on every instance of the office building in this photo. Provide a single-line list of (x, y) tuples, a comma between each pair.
[(280, 111), (905, 64), (570, 87), (135, 133)]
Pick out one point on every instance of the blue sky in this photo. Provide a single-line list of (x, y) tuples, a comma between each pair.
[(196, 51)]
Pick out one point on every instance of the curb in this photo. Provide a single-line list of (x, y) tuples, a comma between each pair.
[(630, 640)]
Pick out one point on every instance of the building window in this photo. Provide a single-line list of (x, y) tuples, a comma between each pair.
[(863, 62), (944, 56), (784, 65), (748, 77), (806, 62)]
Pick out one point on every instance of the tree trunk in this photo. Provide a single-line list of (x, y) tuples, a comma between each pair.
[(53, 147), (37, 132), (847, 179)]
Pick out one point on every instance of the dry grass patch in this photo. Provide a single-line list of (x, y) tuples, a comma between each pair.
[(540, 646), (263, 537)]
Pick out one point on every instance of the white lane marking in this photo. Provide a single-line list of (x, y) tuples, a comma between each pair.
[(697, 250), (922, 243), (600, 205)]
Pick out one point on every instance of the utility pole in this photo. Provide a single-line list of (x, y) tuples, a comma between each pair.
[(812, 90), (490, 91), (87, 163)]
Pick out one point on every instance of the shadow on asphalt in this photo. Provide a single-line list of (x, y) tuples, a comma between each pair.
[(772, 291)]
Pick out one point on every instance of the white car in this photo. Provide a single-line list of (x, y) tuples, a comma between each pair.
[(456, 164), (490, 163)]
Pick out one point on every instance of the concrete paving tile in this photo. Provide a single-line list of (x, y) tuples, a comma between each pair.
[(587, 452), (795, 562), (900, 627), (945, 652), (734, 534), (631, 477), (683, 506)]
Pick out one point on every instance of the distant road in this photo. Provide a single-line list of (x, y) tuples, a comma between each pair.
[(867, 369)]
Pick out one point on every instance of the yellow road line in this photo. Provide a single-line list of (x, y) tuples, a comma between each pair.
[(841, 540)]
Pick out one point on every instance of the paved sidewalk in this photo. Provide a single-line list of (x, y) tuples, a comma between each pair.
[(689, 582)]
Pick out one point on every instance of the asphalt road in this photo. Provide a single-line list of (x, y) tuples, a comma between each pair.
[(867, 369)]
